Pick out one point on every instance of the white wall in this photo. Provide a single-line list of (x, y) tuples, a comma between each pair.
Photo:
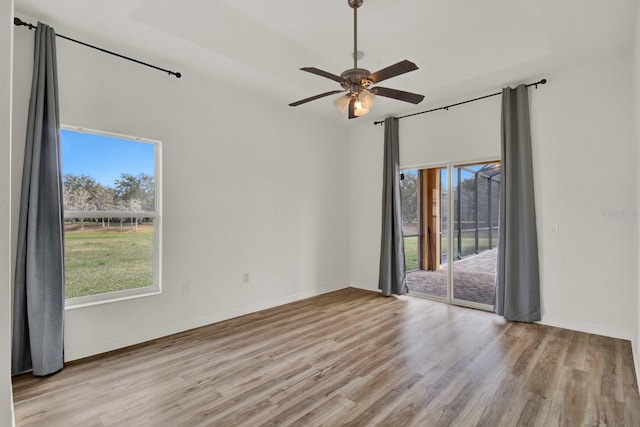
[(585, 167), (586, 182), (6, 58), (249, 185)]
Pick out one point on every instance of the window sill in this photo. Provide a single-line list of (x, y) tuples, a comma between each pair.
[(91, 300)]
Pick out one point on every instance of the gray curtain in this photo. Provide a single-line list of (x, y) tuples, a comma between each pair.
[(38, 309), (517, 282), (392, 278)]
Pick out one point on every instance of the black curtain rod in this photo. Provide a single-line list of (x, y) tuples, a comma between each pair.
[(20, 23), (540, 82)]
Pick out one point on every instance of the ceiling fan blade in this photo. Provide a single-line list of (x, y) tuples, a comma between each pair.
[(392, 71), (352, 103), (314, 70), (313, 98), (401, 95)]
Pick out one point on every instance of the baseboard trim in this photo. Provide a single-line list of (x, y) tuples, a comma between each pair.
[(589, 328), (365, 286), (104, 347), (149, 335), (636, 359)]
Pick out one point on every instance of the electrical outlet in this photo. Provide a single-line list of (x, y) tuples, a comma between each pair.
[(555, 229), (185, 288), (245, 278)]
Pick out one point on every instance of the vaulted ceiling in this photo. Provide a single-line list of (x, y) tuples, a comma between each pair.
[(463, 47)]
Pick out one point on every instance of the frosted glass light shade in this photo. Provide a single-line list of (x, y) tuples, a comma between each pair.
[(367, 99), (341, 103), (358, 108)]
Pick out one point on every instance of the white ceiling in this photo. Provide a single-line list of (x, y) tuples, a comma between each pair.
[(463, 47)]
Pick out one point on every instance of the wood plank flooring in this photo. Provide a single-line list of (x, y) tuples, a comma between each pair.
[(351, 357)]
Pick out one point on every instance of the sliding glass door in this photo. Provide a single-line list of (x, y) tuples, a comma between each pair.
[(475, 231), (452, 258)]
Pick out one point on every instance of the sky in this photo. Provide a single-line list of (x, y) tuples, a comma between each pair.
[(104, 158)]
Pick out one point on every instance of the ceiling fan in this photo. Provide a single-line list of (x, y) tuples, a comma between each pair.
[(357, 82)]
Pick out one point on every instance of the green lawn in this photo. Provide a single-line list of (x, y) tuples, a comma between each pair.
[(411, 253), (100, 260), (468, 248), (469, 244)]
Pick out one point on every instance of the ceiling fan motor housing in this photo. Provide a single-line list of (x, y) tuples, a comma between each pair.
[(355, 80)]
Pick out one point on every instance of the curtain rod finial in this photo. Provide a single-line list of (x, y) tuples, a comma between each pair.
[(20, 23), (541, 82)]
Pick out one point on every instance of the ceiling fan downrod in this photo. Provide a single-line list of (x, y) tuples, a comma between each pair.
[(355, 4)]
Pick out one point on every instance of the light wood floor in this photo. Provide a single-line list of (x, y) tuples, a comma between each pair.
[(350, 357)]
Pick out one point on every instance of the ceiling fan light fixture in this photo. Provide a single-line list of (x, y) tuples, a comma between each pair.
[(342, 102), (359, 110), (367, 99)]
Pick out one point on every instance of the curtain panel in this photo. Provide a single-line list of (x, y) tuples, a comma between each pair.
[(392, 277), (517, 279), (38, 311)]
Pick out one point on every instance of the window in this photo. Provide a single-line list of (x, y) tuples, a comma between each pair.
[(112, 216)]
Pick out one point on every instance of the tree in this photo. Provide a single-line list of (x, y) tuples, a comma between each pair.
[(131, 193), (148, 187), (78, 193), (134, 205), (140, 187), (80, 200), (127, 187), (409, 197), (72, 182), (104, 199)]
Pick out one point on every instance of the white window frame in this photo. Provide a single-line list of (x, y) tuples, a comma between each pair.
[(156, 287)]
